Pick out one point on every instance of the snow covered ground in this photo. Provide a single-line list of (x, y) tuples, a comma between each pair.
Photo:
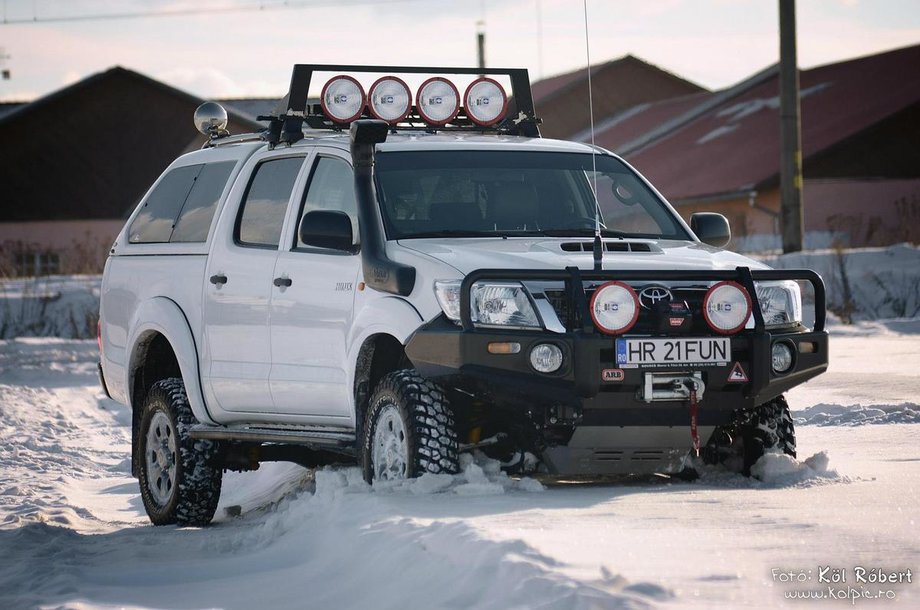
[(73, 531)]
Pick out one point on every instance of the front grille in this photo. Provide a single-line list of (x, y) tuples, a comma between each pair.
[(647, 324)]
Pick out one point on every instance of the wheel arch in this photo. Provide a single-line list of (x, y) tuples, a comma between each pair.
[(162, 346), (381, 332)]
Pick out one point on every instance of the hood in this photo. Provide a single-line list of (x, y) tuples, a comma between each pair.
[(468, 254)]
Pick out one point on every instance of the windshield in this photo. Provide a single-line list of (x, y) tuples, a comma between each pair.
[(508, 194)]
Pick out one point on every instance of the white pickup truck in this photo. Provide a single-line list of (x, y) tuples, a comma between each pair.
[(392, 282)]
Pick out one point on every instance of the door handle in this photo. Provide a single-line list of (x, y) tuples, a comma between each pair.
[(282, 281), (218, 279)]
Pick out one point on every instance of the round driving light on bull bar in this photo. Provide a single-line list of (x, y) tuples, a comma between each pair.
[(389, 99), (546, 358), (614, 308), (438, 101), (343, 99), (726, 307), (485, 102), (782, 357)]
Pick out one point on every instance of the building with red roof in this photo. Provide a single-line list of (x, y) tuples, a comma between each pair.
[(720, 151), (562, 101)]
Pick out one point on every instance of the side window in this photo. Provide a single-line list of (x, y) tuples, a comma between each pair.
[(332, 187), (195, 218), (265, 203), (155, 222)]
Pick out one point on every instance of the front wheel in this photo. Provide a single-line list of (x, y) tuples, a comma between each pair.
[(180, 476), (753, 432), (409, 431)]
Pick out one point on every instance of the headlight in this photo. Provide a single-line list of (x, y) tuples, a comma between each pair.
[(502, 305), (780, 303), (505, 304)]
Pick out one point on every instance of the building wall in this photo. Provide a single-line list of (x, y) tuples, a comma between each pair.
[(848, 212), (55, 246)]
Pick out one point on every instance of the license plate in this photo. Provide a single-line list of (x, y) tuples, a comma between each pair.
[(658, 352)]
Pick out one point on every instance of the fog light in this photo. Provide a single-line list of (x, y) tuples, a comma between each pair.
[(782, 357), (546, 358)]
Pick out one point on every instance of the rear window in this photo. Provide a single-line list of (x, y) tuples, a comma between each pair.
[(182, 205)]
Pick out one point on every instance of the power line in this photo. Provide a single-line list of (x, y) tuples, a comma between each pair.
[(263, 6)]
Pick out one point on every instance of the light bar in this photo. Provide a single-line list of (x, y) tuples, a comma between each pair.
[(485, 102), (438, 101), (343, 99), (390, 100)]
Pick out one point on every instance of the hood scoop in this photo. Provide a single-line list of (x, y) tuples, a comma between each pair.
[(610, 246)]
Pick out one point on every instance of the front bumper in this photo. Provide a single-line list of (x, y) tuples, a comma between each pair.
[(460, 359), (613, 428)]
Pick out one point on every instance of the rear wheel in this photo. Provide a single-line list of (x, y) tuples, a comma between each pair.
[(180, 476), (409, 430), (753, 432)]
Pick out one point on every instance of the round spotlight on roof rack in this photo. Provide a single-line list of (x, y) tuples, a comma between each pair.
[(390, 99), (485, 102), (438, 101), (343, 99)]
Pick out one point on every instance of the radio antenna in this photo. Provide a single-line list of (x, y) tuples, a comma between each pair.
[(598, 242)]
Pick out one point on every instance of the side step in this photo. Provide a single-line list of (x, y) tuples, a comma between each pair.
[(318, 436)]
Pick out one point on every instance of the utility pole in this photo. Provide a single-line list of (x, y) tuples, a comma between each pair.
[(481, 43), (790, 165), (4, 71)]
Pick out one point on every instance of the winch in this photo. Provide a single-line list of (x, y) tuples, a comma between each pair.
[(671, 386)]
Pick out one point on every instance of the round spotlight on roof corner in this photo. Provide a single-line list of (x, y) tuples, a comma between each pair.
[(726, 307), (438, 101), (485, 102), (389, 99), (210, 118), (343, 99)]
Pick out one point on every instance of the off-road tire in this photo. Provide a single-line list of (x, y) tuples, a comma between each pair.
[(198, 474), (767, 427), (428, 420)]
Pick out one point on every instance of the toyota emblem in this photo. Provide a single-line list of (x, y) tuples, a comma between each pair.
[(650, 295)]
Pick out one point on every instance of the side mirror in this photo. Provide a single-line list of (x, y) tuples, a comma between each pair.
[(327, 229), (711, 228)]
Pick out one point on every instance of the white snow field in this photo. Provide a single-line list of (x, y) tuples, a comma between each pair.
[(73, 532)]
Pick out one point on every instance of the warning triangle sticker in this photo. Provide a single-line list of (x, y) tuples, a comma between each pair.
[(737, 375)]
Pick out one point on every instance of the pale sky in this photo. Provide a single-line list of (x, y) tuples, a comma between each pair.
[(249, 54)]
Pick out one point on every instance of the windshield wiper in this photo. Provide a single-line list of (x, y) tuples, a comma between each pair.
[(454, 233)]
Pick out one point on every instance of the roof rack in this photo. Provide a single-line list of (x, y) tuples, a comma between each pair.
[(286, 123)]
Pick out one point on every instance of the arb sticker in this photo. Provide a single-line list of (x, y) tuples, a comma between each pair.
[(612, 375), (737, 375)]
